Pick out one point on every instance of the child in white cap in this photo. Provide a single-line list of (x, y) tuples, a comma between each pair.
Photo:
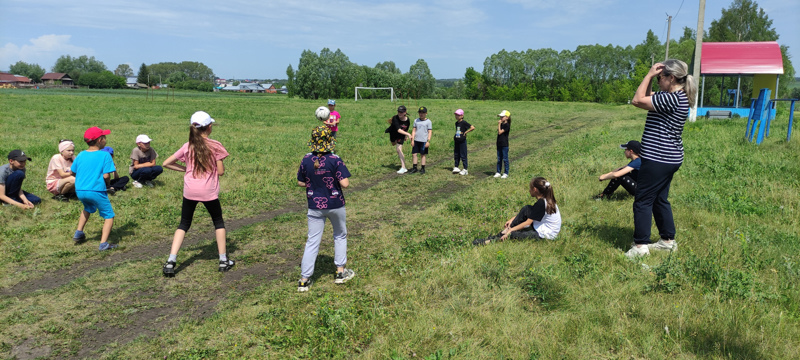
[(143, 167)]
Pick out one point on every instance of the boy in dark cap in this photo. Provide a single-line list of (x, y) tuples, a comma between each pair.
[(626, 175), (422, 132), (11, 177)]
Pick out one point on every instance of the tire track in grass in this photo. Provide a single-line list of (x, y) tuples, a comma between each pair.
[(57, 278), (169, 311)]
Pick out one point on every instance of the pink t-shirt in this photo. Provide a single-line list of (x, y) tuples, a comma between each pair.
[(206, 186), (57, 162), (334, 116)]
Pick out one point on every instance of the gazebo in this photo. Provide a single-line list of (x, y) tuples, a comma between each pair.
[(760, 59)]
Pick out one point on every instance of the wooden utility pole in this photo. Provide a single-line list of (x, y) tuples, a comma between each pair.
[(669, 27), (698, 46)]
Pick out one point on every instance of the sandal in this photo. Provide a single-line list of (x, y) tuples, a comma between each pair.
[(226, 265), (481, 242), (169, 269)]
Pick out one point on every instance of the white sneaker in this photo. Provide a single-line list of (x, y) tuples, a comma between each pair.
[(637, 251), (456, 170), (137, 184), (664, 245), (463, 172), (402, 171), (497, 175), (505, 176)]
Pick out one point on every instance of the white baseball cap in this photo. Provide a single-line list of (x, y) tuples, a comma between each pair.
[(201, 119), (143, 139)]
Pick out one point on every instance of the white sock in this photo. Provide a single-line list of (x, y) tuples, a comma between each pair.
[(173, 257), (223, 257)]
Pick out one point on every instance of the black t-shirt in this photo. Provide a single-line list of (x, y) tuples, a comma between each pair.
[(398, 124), (502, 139), (535, 212), (461, 128)]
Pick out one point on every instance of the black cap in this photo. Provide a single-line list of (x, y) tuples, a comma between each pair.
[(632, 145), (18, 155), (423, 110), (401, 108)]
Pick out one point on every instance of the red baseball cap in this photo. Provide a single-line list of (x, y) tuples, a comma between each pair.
[(95, 132)]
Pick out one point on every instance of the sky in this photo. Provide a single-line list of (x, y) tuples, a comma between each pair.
[(247, 39)]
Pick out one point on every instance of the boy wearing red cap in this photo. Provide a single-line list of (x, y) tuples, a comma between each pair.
[(92, 169)]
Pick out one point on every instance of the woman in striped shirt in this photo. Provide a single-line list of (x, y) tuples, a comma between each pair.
[(662, 152)]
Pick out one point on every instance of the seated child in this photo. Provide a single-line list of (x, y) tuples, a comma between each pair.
[(115, 182), (626, 175), (11, 177), (143, 167), (60, 180), (542, 220)]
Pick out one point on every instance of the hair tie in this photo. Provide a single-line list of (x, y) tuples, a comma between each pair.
[(546, 184), (64, 145)]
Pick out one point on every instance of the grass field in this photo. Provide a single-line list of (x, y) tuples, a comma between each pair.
[(732, 291)]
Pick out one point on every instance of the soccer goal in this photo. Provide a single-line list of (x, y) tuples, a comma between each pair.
[(391, 91)]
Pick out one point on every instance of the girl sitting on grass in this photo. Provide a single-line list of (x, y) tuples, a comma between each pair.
[(542, 220), (203, 158)]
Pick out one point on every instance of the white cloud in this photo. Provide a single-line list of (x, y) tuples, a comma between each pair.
[(42, 50)]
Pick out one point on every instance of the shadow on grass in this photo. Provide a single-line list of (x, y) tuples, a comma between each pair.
[(324, 267), (617, 236), (713, 343), (207, 252)]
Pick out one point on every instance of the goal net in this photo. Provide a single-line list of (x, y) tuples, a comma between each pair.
[(358, 96)]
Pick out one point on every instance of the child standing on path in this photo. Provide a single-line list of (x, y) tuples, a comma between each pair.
[(626, 175), (11, 177), (203, 158), (503, 128), (60, 180), (324, 175), (422, 132), (460, 142), (92, 168), (143, 167), (542, 220), (398, 134)]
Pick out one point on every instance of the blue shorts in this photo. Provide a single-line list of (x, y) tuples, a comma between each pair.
[(96, 201), (419, 148)]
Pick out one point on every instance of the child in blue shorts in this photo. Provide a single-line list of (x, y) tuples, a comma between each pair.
[(92, 168)]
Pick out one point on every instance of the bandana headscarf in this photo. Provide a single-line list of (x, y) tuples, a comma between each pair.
[(64, 145), (322, 140)]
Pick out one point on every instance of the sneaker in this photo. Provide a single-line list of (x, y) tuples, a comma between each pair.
[(79, 237), (664, 245), (342, 277), (226, 265), (463, 172), (111, 191), (637, 251), (599, 196), (505, 176), (422, 171), (497, 175), (149, 184), (61, 198), (137, 184), (302, 286), (402, 171), (413, 170), (106, 246), (456, 170), (169, 269)]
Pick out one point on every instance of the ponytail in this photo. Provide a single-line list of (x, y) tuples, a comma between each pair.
[(199, 153), (546, 189), (680, 71)]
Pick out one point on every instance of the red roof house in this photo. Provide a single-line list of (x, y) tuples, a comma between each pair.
[(57, 78)]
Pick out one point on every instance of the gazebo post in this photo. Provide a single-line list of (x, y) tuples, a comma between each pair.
[(721, 90), (703, 91), (738, 89)]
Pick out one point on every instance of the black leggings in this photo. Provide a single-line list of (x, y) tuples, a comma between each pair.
[(187, 213), (526, 233), (626, 181)]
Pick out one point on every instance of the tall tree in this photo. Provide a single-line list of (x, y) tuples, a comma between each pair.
[(744, 20), (142, 77), (290, 82), (420, 80), (32, 71), (123, 70)]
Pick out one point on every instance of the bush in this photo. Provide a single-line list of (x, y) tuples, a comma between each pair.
[(102, 80)]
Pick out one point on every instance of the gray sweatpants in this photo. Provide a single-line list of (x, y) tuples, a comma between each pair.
[(316, 224)]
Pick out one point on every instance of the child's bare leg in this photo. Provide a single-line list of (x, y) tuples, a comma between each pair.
[(423, 159), (400, 155), (83, 219), (414, 159), (107, 225), (69, 185), (220, 233), (177, 241)]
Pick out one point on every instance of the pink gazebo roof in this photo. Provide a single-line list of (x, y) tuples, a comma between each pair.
[(745, 58)]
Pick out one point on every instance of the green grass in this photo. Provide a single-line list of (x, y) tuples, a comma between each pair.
[(422, 290)]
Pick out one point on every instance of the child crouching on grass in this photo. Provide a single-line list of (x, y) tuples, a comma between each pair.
[(60, 180), (324, 175), (115, 182), (542, 220), (203, 158), (92, 168)]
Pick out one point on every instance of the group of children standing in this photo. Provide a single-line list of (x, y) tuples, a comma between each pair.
[(422, 131)]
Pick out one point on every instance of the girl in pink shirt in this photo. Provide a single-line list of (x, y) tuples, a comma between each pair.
[(60, 180), (203, 158)]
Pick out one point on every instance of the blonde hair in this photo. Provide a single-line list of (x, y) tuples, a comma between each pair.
[(680, 71)]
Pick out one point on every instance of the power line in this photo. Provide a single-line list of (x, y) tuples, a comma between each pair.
[(679, 10)]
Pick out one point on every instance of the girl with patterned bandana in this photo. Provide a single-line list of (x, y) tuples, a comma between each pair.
[(324, 175)]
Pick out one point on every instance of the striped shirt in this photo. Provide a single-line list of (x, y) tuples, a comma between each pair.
[(661, 140)]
